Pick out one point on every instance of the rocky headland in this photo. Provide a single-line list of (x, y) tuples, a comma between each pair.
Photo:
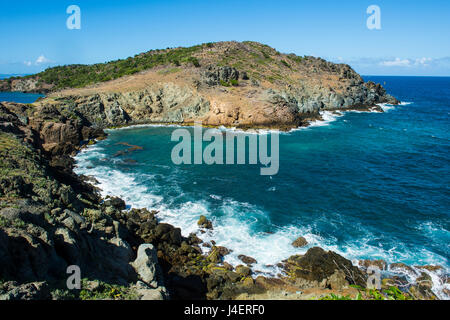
[(51, 218), (232, 84)]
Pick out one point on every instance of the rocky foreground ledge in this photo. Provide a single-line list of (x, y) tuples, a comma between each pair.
[(51, 218)]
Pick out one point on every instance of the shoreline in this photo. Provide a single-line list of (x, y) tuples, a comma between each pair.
[(260, 129), (177, 251), (413, 272)]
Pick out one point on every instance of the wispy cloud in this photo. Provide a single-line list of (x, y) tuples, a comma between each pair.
[(397, 65), (398, 62), (42, 59), (39, 61)]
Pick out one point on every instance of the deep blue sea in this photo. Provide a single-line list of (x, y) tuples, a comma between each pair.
[(19, 97), (366, 185)]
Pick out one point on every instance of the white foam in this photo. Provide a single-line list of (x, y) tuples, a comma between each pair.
[(234, 226), (151, 125), (387, 107)]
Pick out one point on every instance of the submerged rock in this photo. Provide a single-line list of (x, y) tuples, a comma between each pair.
[(247, 260)]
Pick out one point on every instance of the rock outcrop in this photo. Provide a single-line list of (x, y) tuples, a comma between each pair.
[(245, 85)]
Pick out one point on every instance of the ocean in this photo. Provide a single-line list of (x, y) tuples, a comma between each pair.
[(19, 97), (365, 185)]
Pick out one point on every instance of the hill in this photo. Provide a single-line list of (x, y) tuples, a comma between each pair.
[(242, 84)]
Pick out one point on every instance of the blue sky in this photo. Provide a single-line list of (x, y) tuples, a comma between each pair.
[(413, 40)]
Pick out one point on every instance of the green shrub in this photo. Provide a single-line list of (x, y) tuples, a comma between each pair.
[(79, 75), (286, 64), (194, 61)]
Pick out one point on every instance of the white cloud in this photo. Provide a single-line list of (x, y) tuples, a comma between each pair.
[(42, 59), (39, 61), (423, 61), (396, 63)]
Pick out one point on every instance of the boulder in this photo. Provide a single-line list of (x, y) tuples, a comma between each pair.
[(337, 281), (318, 265), (299, 242), (167, 233), (116, 203), (243, 271), (204, 223), (146, 265), (247, 260)]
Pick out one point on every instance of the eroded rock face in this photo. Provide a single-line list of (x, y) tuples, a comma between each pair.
[(245, 106), (167, 102), (216, 75)]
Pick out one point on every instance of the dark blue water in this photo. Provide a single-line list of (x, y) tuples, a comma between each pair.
[(19, 97), (368, 185)]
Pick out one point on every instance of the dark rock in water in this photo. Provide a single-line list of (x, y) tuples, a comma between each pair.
[(300, 242), (203, 222), (130, 161), (223, 251), (430, 267), (120, 153), (247, 260), (206, 245), (318, 265), (401, 267)]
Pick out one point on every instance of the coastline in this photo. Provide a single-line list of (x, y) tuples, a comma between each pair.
[(88, 218), (396, 270), (188, 271)]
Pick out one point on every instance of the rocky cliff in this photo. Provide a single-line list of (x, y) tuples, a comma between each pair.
[(227, 83), (51, 219)]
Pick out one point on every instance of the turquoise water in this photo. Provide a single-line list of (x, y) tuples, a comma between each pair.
[(19, 97), (367, 185)]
